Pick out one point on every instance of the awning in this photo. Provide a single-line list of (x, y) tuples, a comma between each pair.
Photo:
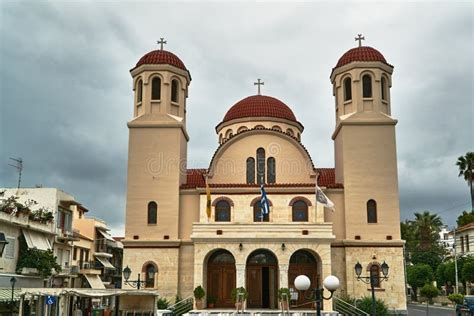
[(106, 235), (94, 281), (105, 262), (36, 240), (6, 294)]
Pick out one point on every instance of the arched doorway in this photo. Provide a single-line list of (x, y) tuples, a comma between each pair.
[(262, 279), (221, 277), (302, 262)]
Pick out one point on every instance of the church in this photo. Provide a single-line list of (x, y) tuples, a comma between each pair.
[(174, 245)]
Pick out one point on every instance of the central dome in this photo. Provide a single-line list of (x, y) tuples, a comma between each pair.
[(259, 106)]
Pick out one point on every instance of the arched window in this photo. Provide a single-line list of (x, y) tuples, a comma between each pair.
[(375, 274), (371, 211), (150, 272), (257, 213), (276, 128), (220, 138), (290, 132), (347, 89), (300, 211), (174, 90), (260, 165), (228, 134), (366, 86), (156, 88), (223, 211), (271, 176), (242, 129), (250, 170), (383, 85), (139, 90), (152, 210)]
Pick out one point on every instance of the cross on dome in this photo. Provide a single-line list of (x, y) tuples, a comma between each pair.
[(360, 38), (161, 42), (258, 83)]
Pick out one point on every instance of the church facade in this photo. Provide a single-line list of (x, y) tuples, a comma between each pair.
[(260, 141)]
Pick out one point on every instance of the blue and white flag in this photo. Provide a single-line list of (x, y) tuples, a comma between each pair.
[(264, 206)]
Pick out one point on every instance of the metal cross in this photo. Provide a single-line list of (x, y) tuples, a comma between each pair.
[(259, 83), (360, 38), (161, 42)]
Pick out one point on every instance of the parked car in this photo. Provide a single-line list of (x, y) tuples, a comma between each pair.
[(467, 308)]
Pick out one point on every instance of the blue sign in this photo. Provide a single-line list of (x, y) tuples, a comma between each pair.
[(50, 300)]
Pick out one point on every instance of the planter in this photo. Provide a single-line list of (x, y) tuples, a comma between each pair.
[(29, 271), (240, 306), (199, 304), (284, 305), (210, 305)]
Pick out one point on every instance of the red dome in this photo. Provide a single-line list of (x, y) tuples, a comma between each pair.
[(362, 53), (260, 106), (161, 57)]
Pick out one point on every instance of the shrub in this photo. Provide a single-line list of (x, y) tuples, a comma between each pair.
[(240, 290), (456, 298), (282, 292), (365, 304), (162, 303), (199, 293)]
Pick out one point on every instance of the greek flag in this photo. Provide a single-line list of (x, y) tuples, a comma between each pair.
[(264, 206)]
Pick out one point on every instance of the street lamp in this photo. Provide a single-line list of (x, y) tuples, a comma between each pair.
[(302, 283), (3, 243), (372, 280), (137, 283), (12, 282)]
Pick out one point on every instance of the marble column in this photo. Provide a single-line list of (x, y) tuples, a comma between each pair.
[(240, 277), (283, 275)]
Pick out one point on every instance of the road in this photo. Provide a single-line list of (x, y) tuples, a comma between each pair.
[(420, 310)]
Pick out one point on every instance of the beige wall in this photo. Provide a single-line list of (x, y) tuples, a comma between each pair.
[(293, 165)]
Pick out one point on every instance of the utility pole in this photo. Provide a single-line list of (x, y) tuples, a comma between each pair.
[(455, 263), (19, 167)]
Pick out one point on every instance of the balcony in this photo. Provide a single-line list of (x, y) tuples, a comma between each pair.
[(65, 236), (89, 267), (262, 231)]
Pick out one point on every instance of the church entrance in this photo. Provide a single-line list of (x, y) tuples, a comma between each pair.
[(302, 262), (221, 278), (262, 279)]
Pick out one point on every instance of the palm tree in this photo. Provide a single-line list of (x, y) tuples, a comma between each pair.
[(466, 166), (427, 227)]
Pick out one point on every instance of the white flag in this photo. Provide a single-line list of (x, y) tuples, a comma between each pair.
[(323, 199)]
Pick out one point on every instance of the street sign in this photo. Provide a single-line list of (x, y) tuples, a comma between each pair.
[(50, 300)]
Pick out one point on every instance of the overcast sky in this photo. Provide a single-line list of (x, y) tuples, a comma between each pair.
[(66, 89)]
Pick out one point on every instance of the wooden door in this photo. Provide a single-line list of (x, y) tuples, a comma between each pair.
[(254, 286), (302, 269), (220, 283)]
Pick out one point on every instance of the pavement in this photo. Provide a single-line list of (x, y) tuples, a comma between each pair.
[(420, 310)]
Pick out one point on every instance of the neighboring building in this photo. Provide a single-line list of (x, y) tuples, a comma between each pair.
[(446, 239), (94, 253), (175, 247), (46, 225), (464, 240)]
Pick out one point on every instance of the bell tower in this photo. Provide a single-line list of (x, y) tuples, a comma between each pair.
[(157, 147), (365, 147)]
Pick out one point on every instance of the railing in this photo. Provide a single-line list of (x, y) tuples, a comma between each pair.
[(182, 307), (346, 308)]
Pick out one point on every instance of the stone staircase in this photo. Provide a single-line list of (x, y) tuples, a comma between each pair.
[(257, 312)]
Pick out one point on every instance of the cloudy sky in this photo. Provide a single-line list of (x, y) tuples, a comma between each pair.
[(66, 89)]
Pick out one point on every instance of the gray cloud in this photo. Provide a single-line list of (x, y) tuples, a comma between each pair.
[(66, 91)]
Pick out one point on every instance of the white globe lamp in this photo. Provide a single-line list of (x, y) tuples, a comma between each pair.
[(331, 283), (302, 283)]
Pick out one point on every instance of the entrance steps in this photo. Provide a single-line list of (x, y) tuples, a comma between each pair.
[(258, 312)]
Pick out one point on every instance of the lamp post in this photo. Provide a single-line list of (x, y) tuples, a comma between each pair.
[(302, 283), (12, 282), (137, 283), (372, 280)]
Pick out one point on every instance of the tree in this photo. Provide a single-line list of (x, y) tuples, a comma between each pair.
[(427, 227), (465, 218), (430, 257), (467, 272), (419, 275), (466, 165), (429, 291)]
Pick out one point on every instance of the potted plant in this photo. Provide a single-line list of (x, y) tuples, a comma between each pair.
[(239, 296), (284, 296), (211, 301), (199, 294)]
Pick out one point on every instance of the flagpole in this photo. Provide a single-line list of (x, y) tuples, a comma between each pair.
[(261, 206)]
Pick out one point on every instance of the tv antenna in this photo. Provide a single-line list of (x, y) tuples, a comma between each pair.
[(19, 167)]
